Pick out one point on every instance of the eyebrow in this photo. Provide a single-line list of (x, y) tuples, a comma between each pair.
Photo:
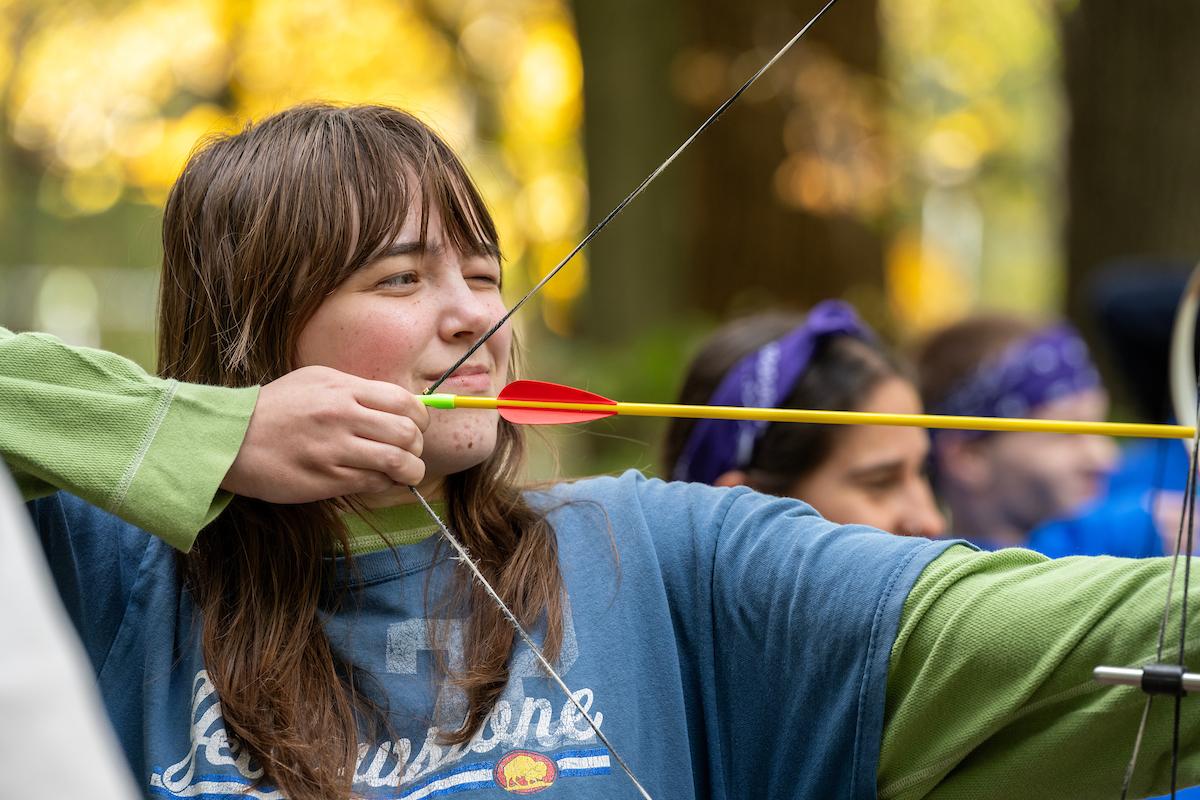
[(421, 248), (876, 470), (409, 248)]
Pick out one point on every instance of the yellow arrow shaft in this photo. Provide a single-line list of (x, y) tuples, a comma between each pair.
[(1127, 429)]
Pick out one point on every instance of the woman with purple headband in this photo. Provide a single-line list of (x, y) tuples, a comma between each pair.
[(828, 359), (1034, 490)]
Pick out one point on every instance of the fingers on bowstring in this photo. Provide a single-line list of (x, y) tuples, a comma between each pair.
[(392, 399), (352, 480), (395, 463), (390, 429)]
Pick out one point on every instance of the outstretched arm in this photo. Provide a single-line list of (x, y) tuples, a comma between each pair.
[(990, 690), (151, 451), (167, 455)]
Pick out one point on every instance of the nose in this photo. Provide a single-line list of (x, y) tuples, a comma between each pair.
[(1100, 453), (920, 515), (465, 313)]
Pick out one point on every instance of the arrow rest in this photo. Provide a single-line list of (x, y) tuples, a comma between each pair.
[(1169, 679)]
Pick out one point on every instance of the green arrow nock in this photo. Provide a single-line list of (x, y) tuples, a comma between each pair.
[(438, 400)]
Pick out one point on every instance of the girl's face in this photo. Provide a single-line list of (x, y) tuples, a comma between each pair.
[(407, 317), (875, 474), (1035, 477)]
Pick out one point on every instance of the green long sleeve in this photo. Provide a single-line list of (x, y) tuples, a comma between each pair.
[(990, 691), (149, 450)]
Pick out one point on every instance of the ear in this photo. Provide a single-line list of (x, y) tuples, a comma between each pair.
[(964, 462), (734, 477)]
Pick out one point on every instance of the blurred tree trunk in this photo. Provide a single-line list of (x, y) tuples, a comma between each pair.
[(713, 234), (631, 123), (1133, 175), (749, 248)]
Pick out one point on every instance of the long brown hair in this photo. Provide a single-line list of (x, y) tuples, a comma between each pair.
[(260, 227)]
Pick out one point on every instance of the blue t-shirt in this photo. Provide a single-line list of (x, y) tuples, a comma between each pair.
[(739, 649), (1146, 466), (1119, 526), (1121, 522)]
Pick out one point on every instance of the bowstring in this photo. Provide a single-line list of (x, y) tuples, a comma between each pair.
[(1190, 524), (465, 558), (1160, 477), (1187, 522), (712, 118), (463, 554)]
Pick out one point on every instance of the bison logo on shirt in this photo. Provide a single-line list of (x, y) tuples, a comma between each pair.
[(525, 772)]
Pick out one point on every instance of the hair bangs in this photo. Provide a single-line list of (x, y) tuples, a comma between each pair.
[(394, 167), (466, 223)]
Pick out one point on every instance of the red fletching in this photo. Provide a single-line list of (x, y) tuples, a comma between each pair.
[(542, 391)]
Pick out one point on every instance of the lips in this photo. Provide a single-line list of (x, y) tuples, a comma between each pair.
[(466, 379)]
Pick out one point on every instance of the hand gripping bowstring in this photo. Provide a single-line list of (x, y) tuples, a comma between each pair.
[(463, 555)]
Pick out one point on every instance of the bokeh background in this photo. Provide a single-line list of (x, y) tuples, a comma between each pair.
[(920, 158)]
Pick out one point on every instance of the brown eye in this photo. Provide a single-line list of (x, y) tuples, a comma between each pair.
[(880, 482), (399, 281)]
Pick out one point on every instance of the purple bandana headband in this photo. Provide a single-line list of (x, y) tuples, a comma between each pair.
[(762, 379), (1044, 367)]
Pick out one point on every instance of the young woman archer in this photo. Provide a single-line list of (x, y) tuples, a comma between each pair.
[(253, 636)]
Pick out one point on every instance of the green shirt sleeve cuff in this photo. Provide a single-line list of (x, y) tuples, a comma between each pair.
[(173, 489)]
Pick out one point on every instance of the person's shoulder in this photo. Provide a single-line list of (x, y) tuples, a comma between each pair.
[(633, 491), (670, 513)]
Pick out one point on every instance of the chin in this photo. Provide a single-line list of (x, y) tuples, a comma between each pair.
[(460, 457), (449, 450), (1075, 504), (440, 470)]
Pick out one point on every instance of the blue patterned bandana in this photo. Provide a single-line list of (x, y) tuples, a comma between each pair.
[(1044, 367)]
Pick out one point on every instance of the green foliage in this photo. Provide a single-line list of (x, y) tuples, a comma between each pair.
[(977, 114), (102, 102)]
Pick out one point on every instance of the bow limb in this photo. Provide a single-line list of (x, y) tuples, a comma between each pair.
[(1160, 678), (1183, 352)]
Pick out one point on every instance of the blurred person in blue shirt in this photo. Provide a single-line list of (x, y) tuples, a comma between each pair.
[(1047, 492)]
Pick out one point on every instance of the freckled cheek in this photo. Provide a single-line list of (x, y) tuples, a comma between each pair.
[(861, 508), (379, 357), (463, 442), (374, 346)]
